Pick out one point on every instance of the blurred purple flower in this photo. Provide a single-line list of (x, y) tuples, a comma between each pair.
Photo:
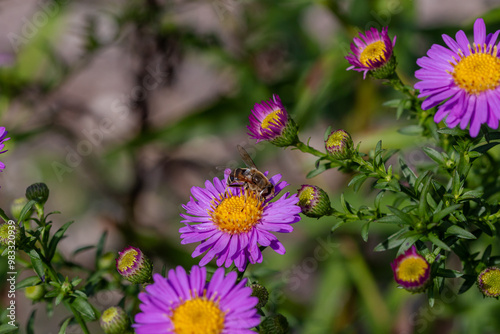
[(3, 134)]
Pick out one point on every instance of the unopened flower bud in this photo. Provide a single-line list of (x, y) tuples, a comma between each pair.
[(339, 145), (134, 266), (260, 292), (35, 292), (412, 271), (274, 324), (38, 192), (314, 201), (270, 121), (488, 282), (114, 320)]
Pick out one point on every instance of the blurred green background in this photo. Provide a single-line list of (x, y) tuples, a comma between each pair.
[(120, 107)]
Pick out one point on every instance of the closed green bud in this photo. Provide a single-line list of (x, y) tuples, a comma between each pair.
[(260, 292), (314, 201), (114, 320), (38, 192), (35, 292), (274, 324)]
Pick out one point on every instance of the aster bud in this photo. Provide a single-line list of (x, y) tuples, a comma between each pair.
[(17, 207), (35, 292), (339, 145), (412, 271), (38, 192), (314, 201), (260, 292), (114, 320), (488, 282), (270, 121), (274, 324), (134, 266), (10, 235)]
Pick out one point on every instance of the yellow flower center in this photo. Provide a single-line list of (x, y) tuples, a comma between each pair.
[(271, 119), (373, 52), (412, 269), (335, 139), (109, 314), (478, 71), (128, 260), (235, 214), (198, 316), (306, 196), (491, 282)]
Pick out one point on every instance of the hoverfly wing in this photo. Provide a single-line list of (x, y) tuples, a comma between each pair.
[(246, 157)]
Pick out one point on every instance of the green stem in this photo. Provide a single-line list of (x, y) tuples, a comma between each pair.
[(311, 150), (78, 317)]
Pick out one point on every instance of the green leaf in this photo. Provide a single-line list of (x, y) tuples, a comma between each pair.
[(460, 232), (64, 325), (436, 241), (327, 133), (347, 207), (37, 263), (27, 282), (407, 172), (25, 210), (405, 218), (82, 249), (6, 329), (392, 242), (56, 238), (317, 171), (392, 103), (83, 306), (100, 246), (434, 155), (486, 255), (358, 181), (453, 132), (448, 273), (4, 216), (364, 231), (484, 148), (411, 130), (472, 194), (390, 219), (445, 212), (30, 326)]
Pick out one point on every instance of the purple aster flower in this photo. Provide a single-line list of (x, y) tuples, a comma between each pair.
[(466, 77), (185, 304), (3, 134), (270, 121), (372, 53), (231, 222), (411, 270)]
